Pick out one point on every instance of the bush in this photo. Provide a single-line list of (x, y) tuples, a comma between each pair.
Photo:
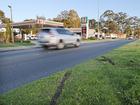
[(92, 38), (22, 41), (26, 41)]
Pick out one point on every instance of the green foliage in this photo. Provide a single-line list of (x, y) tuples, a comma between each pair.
[(121, 20), (23, 41), (8, 32), (37, 93), (128, 31), (2, 14), (100, 83), (137, 32), (41, 17), (16, 44), (26, 41), (74, 20), (111, 26), (69, 18), (6, 35), (1, 37), (34, 29), (92, 38)]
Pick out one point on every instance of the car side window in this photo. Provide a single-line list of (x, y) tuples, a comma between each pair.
[(64, 32), (45, 30), (68, 32), (60, 31)]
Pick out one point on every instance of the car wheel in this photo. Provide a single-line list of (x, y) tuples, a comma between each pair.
[(60, 45), (77, 44)]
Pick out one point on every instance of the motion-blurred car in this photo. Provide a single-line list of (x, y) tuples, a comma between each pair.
[(59, 37)]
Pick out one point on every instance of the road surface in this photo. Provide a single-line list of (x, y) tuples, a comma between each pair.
[(23, 66)]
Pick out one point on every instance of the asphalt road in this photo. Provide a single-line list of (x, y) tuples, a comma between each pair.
[(23, 66)]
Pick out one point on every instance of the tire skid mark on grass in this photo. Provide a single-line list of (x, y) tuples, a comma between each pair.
[(109, 60), (59, 88)]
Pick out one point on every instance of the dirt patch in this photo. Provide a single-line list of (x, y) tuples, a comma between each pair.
[(60, 88)]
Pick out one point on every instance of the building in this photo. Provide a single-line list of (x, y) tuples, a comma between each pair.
[(75, 30), (39, 23)]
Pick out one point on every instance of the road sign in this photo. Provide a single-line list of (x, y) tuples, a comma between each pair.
[(84, 27), (91, 24), (84, 20), (40, 21)]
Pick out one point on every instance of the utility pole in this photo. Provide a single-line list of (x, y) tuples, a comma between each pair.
[(12, 35)]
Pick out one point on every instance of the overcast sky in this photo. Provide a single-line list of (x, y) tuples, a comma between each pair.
[(27, 9)]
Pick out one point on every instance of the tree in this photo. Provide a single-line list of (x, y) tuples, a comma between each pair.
[(108, 22), (124, 23), (8, 32), (63, 16), (137, 32), (108, 15), (1, 21), (74, 19), (111, 26), (28, 20), (5, 35), (128, 31), (2, 16), (34, 29), (69, 18), (121, 19), (41, 17)]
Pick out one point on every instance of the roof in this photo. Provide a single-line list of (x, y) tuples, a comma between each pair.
[(42, 22)]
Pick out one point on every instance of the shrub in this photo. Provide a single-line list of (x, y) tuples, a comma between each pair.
[(92, 38)]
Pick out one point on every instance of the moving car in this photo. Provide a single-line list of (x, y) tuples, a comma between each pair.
[(59, 37)]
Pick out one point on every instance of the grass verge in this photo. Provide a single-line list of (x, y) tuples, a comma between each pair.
[(101, 40), (16, 44), (96, 82)]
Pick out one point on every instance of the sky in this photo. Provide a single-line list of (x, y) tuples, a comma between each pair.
[(29, 9)]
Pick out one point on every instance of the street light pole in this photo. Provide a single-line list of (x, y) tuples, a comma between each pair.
[(12, 35), (98, 18)]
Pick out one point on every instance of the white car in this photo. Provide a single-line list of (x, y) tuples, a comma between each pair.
[(59, 37)]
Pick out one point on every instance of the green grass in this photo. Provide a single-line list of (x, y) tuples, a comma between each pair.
[(94, 82), (101, 40), (100, 83), (37, 93), (16, 44)]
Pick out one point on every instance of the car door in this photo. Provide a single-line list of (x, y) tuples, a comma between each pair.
[(70, 35), (63, 35)]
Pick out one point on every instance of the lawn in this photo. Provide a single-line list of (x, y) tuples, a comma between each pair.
[(112, 79), (16, 44), (98, 40)]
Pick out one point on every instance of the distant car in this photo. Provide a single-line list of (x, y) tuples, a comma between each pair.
[(59, 37), (130, 38), (33, 37)]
